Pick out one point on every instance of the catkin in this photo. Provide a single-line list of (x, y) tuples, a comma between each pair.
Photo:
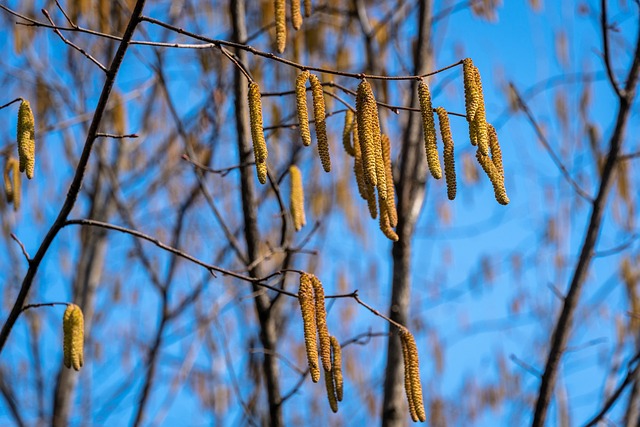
[(331, 390), (391, 200), (494, 148), (296, 14), (321, 125), (429, 130), (255, 116), (470, 89), (307, 8), (357, 165), (281, 25), (371, 201), (497, 181), (336, 367), (8, 184), (449, 161), (321, 323), (297, 198), (368, 129), (480, 118), (407, 380), (261, 171), (414, 373), (385, 224), (26, 139), (73, 328), (301, 106), (307, 307), (347, 131)]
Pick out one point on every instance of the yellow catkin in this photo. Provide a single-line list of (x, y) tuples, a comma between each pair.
[(26, 139), (497, 181), (449, 161), (319, 116), (307, 8), (73, 328), (261, 170), (331, 390), (357, 165), (480, 118), (368, 129), (371, 200), (381, 172), (321, 323), (336, 367), (470, 90), (297, 198), (255, 116), (414, 373), (407, 380), (429, 129), (296, 14), (494, 148), (8, 182), (301, 106), (390, 201), (347, 131), (308, 309), (281, 24), (385, 224)]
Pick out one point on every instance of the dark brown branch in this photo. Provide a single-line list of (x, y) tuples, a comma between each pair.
[(11, 102), (22, 248), (604, 28)]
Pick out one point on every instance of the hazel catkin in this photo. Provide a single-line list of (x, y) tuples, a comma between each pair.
[(319, 116), (497, 180), (331, 390), (385, 223), (73, 329), (297, 198), (307, 8), (368, 129), (336, 367), (411, 351), (480, 117), (26, 139), (494, 149), (296, 15), (347, 131), (357, 165), (321, 323), (308, 309), (281, 24), (390, 201), (255, 116), (429, 130), (449, 161), (301, 107)]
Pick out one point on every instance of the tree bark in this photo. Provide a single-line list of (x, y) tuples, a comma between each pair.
[(411, 191), (266, 317)]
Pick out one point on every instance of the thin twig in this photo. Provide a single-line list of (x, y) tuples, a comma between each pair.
[(110, 135), (24, 250), (9, 103)]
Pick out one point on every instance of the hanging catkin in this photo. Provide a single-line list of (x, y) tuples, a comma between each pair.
[(347, 131), (261, 170), (8, 183), (73, 329), (336, 367), (470, 89), (26, 139), (255, 116), (307, 8), (371, 201), (368, 129), (281, 24), (13, 182), (301, 107), (497, 181), (357, 165), (321, 124), (407, 380), (331, 390), (449, 161), (308, 309), (391, 200), (296, 14), (429, 130), (321, 323), (297, 198), (411, 351), (480, 118), (494, 148), (385, 224)]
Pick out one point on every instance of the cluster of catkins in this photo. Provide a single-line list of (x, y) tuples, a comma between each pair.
[(281, 19), (26, 154), (314, 319)]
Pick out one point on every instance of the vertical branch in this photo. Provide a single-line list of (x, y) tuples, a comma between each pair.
[(266, 317), (562, 329), (411, 191)]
